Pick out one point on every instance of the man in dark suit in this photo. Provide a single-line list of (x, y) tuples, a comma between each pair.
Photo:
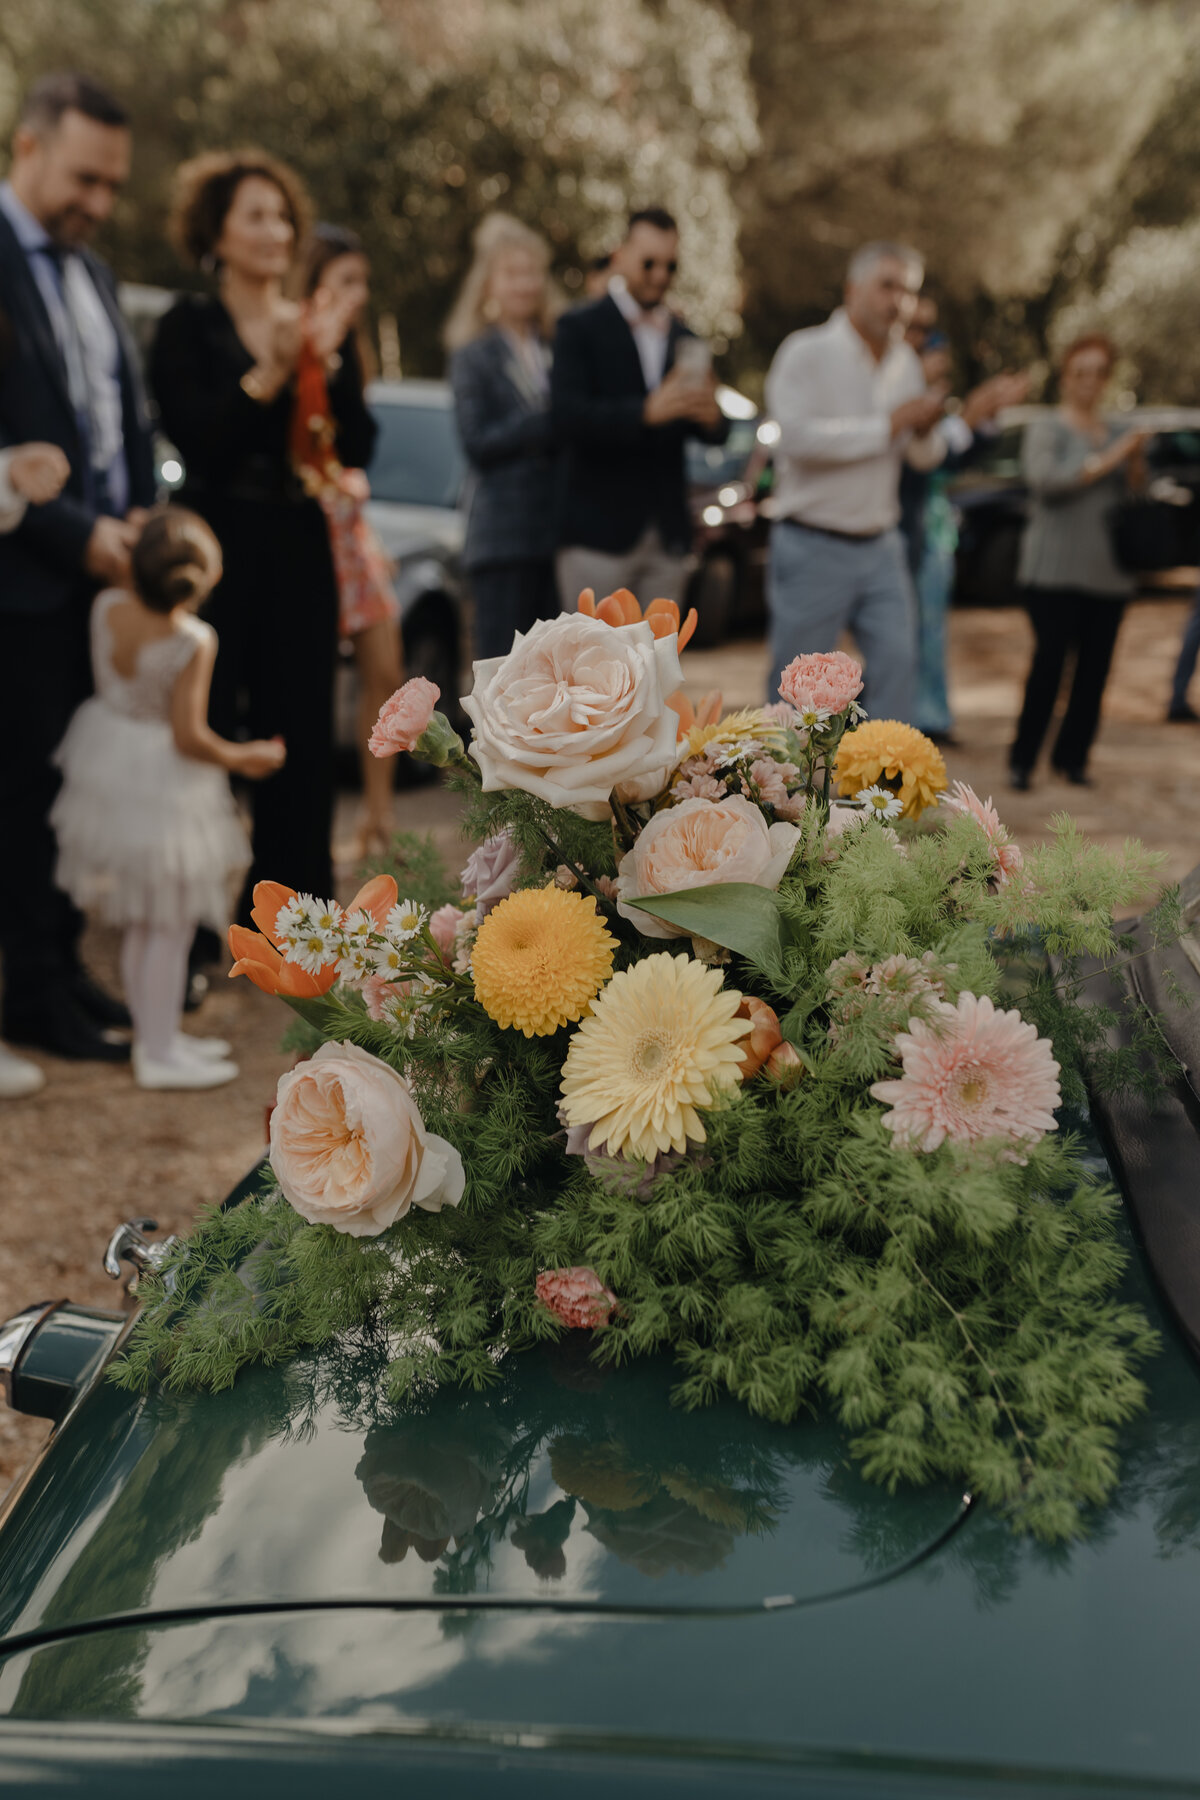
[(625, 397), (68, 377)]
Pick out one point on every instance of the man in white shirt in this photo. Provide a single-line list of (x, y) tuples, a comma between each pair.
[(852, 405)]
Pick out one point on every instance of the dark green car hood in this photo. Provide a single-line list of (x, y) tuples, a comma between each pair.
[(570, 1559)]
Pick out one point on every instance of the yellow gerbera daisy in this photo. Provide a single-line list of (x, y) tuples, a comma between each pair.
[(661, 1042), (882, 749), (752, 722), (540, 958)]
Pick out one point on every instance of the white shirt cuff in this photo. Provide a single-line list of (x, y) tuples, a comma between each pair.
[(12, 506)]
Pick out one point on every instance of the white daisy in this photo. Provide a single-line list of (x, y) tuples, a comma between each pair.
[(312, 951), (390, 962), (356, 962), (809, 718), (404, 921), (359, 927), (879, 802), (327, 916), (296, 917)]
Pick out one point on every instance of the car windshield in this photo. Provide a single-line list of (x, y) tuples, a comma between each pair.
[(711, 465), (417, 460)]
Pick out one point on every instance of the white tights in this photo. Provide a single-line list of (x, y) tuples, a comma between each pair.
[(154, 975)]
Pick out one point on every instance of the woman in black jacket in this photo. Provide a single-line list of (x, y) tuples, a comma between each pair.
[(499, 335), (223, 370)]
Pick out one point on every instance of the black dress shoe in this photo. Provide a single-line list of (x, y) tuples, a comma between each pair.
[(64, 1029), (1183, 714), (101, 1008), (1020, 780), (1078, 777)]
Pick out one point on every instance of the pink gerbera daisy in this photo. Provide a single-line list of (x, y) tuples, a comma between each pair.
[(1007, 856), (971, 1073)]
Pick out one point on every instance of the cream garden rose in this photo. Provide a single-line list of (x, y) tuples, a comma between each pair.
[(349, 1147), (577, 709), (696, 844)]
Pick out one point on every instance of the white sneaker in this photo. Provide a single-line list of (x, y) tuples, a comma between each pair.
[(202, 1049), (18, 1076), (192, 1072)]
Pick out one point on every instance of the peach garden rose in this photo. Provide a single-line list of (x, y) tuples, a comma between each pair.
[(696, 844), (349, 1147), (575, 710)]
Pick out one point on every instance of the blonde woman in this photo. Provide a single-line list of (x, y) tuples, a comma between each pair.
[(498, 335)]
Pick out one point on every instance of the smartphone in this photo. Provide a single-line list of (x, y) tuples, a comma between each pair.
[(693, 359)]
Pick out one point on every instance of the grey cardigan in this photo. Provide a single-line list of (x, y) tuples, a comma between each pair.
[(507, 433), (1066, 542)]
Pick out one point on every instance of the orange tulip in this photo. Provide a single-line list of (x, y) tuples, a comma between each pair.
[(621, 608), (679, 703), (257, 958), (257, 954), (763, 1037), (377, 897)]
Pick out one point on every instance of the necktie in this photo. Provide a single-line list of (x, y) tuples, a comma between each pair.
[(75, 357)]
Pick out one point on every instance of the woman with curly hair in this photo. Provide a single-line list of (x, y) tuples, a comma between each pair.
[(233, 374)]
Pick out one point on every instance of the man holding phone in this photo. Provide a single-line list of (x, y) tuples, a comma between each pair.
[(630, 383)]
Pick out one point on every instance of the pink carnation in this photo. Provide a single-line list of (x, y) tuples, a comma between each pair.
[(1008, 859), (443, 928), (376, 993), (576, 1297), (770, 778), (826, 681), (971, 1073), (404, 717), (699, 787)]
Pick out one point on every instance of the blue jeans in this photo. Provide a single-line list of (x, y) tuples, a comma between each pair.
[(935, 581), (819, 586), (1189, 650)]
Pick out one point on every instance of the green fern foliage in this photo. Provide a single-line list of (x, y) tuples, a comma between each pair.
[(957, 1312)]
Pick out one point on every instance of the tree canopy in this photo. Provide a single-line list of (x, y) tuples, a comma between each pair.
[(1043, 154)]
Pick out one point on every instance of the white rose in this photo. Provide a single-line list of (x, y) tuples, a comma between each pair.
[(576, 709)]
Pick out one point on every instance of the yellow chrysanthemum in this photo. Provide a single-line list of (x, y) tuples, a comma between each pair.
[(882, 749), (540, 959), (752, 722), (662, 1041)]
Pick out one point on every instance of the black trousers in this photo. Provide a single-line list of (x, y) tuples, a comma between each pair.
[(1068, 623), (275, 613), (510, 597), (44, 674)]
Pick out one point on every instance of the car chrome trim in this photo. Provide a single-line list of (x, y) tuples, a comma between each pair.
[(15, 1336)]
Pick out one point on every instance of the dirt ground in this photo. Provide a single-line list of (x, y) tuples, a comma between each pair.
[(91, 1149)]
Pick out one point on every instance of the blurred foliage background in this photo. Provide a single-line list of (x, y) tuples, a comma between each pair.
[(1043, 154)]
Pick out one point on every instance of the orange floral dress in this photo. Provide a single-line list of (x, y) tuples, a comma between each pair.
[(366, 596)]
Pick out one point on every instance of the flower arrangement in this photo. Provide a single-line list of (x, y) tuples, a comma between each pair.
[(698, 1061)]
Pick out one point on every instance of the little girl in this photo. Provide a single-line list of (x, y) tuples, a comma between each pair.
[(148, 835)]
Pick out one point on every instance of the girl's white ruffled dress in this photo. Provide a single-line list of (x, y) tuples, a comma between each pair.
[(145, 835)]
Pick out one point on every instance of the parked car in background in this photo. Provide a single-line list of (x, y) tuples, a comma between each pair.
[(992, 500), (417, 477), (725, 485)]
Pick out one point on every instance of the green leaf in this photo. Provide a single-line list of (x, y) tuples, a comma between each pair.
[(735, 914)]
